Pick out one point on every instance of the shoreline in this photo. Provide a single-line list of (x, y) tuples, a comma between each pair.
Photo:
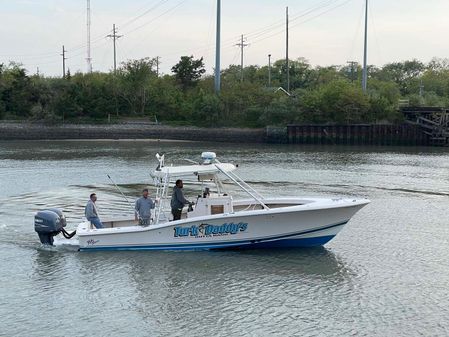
[(317, 134), (128, 132)]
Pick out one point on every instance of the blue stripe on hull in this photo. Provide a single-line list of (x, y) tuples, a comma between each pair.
[(293, 243), (276, 242), (286, 243)]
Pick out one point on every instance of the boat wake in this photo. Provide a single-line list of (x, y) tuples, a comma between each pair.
[(63, 243), (347, 187)]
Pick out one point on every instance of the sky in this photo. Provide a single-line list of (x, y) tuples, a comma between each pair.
[(325, 32)]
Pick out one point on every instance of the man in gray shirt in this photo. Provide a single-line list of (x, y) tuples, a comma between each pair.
[(178, 201), (91, 212), (144, 205)]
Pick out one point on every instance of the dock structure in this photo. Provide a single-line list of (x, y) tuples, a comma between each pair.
[(433, 121), (358, 134), (423, 126)]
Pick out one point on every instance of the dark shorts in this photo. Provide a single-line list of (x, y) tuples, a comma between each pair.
[(176, 213)]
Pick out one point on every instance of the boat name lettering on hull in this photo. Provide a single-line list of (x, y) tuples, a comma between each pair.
[(205, 230)]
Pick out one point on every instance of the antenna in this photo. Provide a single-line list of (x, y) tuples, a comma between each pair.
[(89, 58)]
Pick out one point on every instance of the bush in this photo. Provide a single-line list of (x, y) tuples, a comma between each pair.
[(319, 94)]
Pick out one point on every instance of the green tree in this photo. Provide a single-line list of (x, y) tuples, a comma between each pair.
[(404, 74), (188, 71), (337, 102), (133, 81), (17, 91)]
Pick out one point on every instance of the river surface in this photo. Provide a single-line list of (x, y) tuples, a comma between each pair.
[(385, 274)]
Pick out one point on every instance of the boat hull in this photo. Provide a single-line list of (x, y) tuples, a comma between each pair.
[(293, 226)]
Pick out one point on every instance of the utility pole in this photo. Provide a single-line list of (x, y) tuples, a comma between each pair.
[(269, 70), (242, 45), (217, 50), (352, 65), (89, 58), (286, 57), (114, 37), (63, 61), (157, 66), (365, 52), (421, 88)]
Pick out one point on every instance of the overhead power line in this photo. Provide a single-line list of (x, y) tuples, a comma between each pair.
[(302, 22), (158, 4), (279, 28), (157, 17)]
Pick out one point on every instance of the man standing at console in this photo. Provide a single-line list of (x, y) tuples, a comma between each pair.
[(144, 205), (91, 212), (178, 201)]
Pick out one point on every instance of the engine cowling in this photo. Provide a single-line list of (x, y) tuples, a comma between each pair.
[(49, 223)]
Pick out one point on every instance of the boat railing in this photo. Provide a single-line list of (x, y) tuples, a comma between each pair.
[(255, 195), (244, 183)]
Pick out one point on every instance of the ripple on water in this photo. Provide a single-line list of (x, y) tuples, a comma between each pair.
[(385, 274)]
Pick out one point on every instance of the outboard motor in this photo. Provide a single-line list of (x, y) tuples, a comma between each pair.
[(49, 223)]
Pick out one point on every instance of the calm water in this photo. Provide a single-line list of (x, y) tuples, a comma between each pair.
[(386, 273)]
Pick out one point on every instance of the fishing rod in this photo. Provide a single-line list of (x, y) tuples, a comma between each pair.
[(124, 196)]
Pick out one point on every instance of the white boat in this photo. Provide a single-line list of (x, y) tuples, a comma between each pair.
[(217, 221)]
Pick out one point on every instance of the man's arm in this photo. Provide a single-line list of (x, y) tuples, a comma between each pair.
[(180, 197)]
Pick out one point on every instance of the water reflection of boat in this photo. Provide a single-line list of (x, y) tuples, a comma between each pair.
[(218, 221), (177, 286)]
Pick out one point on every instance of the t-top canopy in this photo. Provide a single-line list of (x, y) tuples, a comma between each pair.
[(188, 170)]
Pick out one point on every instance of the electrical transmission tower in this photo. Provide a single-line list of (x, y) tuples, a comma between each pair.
[(89, 58), (114, 37), (242, 45)]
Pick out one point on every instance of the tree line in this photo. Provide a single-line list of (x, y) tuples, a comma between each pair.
[(186, 96)]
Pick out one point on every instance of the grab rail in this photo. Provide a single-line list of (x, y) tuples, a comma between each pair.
[(243, 188)]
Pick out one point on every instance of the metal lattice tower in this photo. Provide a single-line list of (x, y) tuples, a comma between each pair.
[(89, 57), (217, 50)]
